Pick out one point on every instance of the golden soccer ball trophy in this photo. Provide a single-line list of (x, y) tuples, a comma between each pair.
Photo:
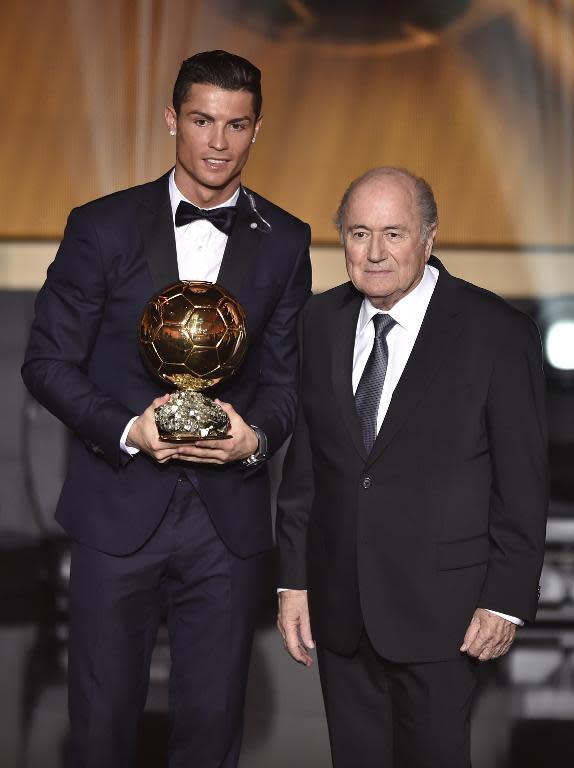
[(192, 336)]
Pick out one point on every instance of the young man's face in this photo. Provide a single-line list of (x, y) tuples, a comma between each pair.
[(214, 131)]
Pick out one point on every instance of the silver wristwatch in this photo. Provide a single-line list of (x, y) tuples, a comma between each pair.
[(260, 453)]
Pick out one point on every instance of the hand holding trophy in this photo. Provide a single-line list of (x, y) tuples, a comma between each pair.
[(192, 335)]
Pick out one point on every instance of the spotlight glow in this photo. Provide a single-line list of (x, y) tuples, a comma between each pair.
[(559, 343)]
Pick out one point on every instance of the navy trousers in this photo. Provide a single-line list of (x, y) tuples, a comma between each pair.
[(212, 599)]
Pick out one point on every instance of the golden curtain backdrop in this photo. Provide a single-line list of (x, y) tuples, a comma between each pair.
[(481, 104)]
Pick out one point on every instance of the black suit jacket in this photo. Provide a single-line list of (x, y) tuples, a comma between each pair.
[(83, 361), (448, 511)]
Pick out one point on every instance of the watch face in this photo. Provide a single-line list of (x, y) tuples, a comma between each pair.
[(252, 460)]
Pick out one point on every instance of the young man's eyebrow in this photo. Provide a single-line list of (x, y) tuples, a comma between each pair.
[(210, 117)]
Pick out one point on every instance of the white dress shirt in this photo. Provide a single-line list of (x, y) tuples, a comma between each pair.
[(200, 247), (408, 314), (199, 244)]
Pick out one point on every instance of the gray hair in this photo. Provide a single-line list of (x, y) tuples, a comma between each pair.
[(423, 192)]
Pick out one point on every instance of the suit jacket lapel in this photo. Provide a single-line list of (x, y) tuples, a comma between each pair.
[(343, 341), (242, 246), (156, 224), (436, 336)]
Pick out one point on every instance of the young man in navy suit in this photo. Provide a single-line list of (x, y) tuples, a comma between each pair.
[(157, 524)]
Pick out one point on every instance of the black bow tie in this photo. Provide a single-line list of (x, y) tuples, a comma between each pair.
[(222, 218)]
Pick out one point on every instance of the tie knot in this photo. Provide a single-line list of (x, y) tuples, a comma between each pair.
[(383, 324)]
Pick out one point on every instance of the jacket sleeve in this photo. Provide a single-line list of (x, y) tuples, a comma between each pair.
[(517, 435), (295, 500), (273, 409), (68, 312)]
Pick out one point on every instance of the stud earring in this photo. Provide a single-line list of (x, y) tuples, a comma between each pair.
[(172, 132), (253, 140)]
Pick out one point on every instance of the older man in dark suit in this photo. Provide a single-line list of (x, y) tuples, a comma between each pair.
[(157, 523), (412, 511)]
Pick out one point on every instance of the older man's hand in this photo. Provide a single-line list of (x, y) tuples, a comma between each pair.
[(488, 636), (294, 625)]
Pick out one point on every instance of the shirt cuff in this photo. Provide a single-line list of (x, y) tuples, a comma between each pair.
[(513, 619), (127, 448), (287, 589)]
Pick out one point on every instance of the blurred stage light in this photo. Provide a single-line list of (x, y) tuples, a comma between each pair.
[(559, 345), (556, 321)]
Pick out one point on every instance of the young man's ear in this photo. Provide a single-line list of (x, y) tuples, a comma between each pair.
[(171, 120)]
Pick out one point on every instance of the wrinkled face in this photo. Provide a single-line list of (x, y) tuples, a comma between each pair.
[(213, 131), (382, 237)]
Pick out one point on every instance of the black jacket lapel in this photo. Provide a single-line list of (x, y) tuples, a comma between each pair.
[(156, 223), (343, 341), (436, 336), (242, 246)]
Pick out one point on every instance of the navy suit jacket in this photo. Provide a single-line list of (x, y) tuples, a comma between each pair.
[(447, 513), (83, 362)]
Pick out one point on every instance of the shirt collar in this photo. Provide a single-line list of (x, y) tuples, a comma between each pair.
[(175, 196), (409, 311)]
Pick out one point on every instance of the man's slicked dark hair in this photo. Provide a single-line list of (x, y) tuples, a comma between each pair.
[(222, 69)]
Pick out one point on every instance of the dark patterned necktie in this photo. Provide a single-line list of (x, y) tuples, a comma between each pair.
[(368, 394), (222, 218)]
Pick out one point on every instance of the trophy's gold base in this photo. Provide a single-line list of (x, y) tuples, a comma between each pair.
[(188, 438), (190, 416)]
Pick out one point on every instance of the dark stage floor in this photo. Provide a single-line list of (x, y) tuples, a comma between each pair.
[(523, 717)]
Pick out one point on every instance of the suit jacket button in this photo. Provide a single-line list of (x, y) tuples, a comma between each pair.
[(366, 482)]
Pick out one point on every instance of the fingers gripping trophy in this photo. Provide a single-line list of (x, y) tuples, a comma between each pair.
[(192, 335)]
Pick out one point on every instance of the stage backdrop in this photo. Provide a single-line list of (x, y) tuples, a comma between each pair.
[(475, 96)]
